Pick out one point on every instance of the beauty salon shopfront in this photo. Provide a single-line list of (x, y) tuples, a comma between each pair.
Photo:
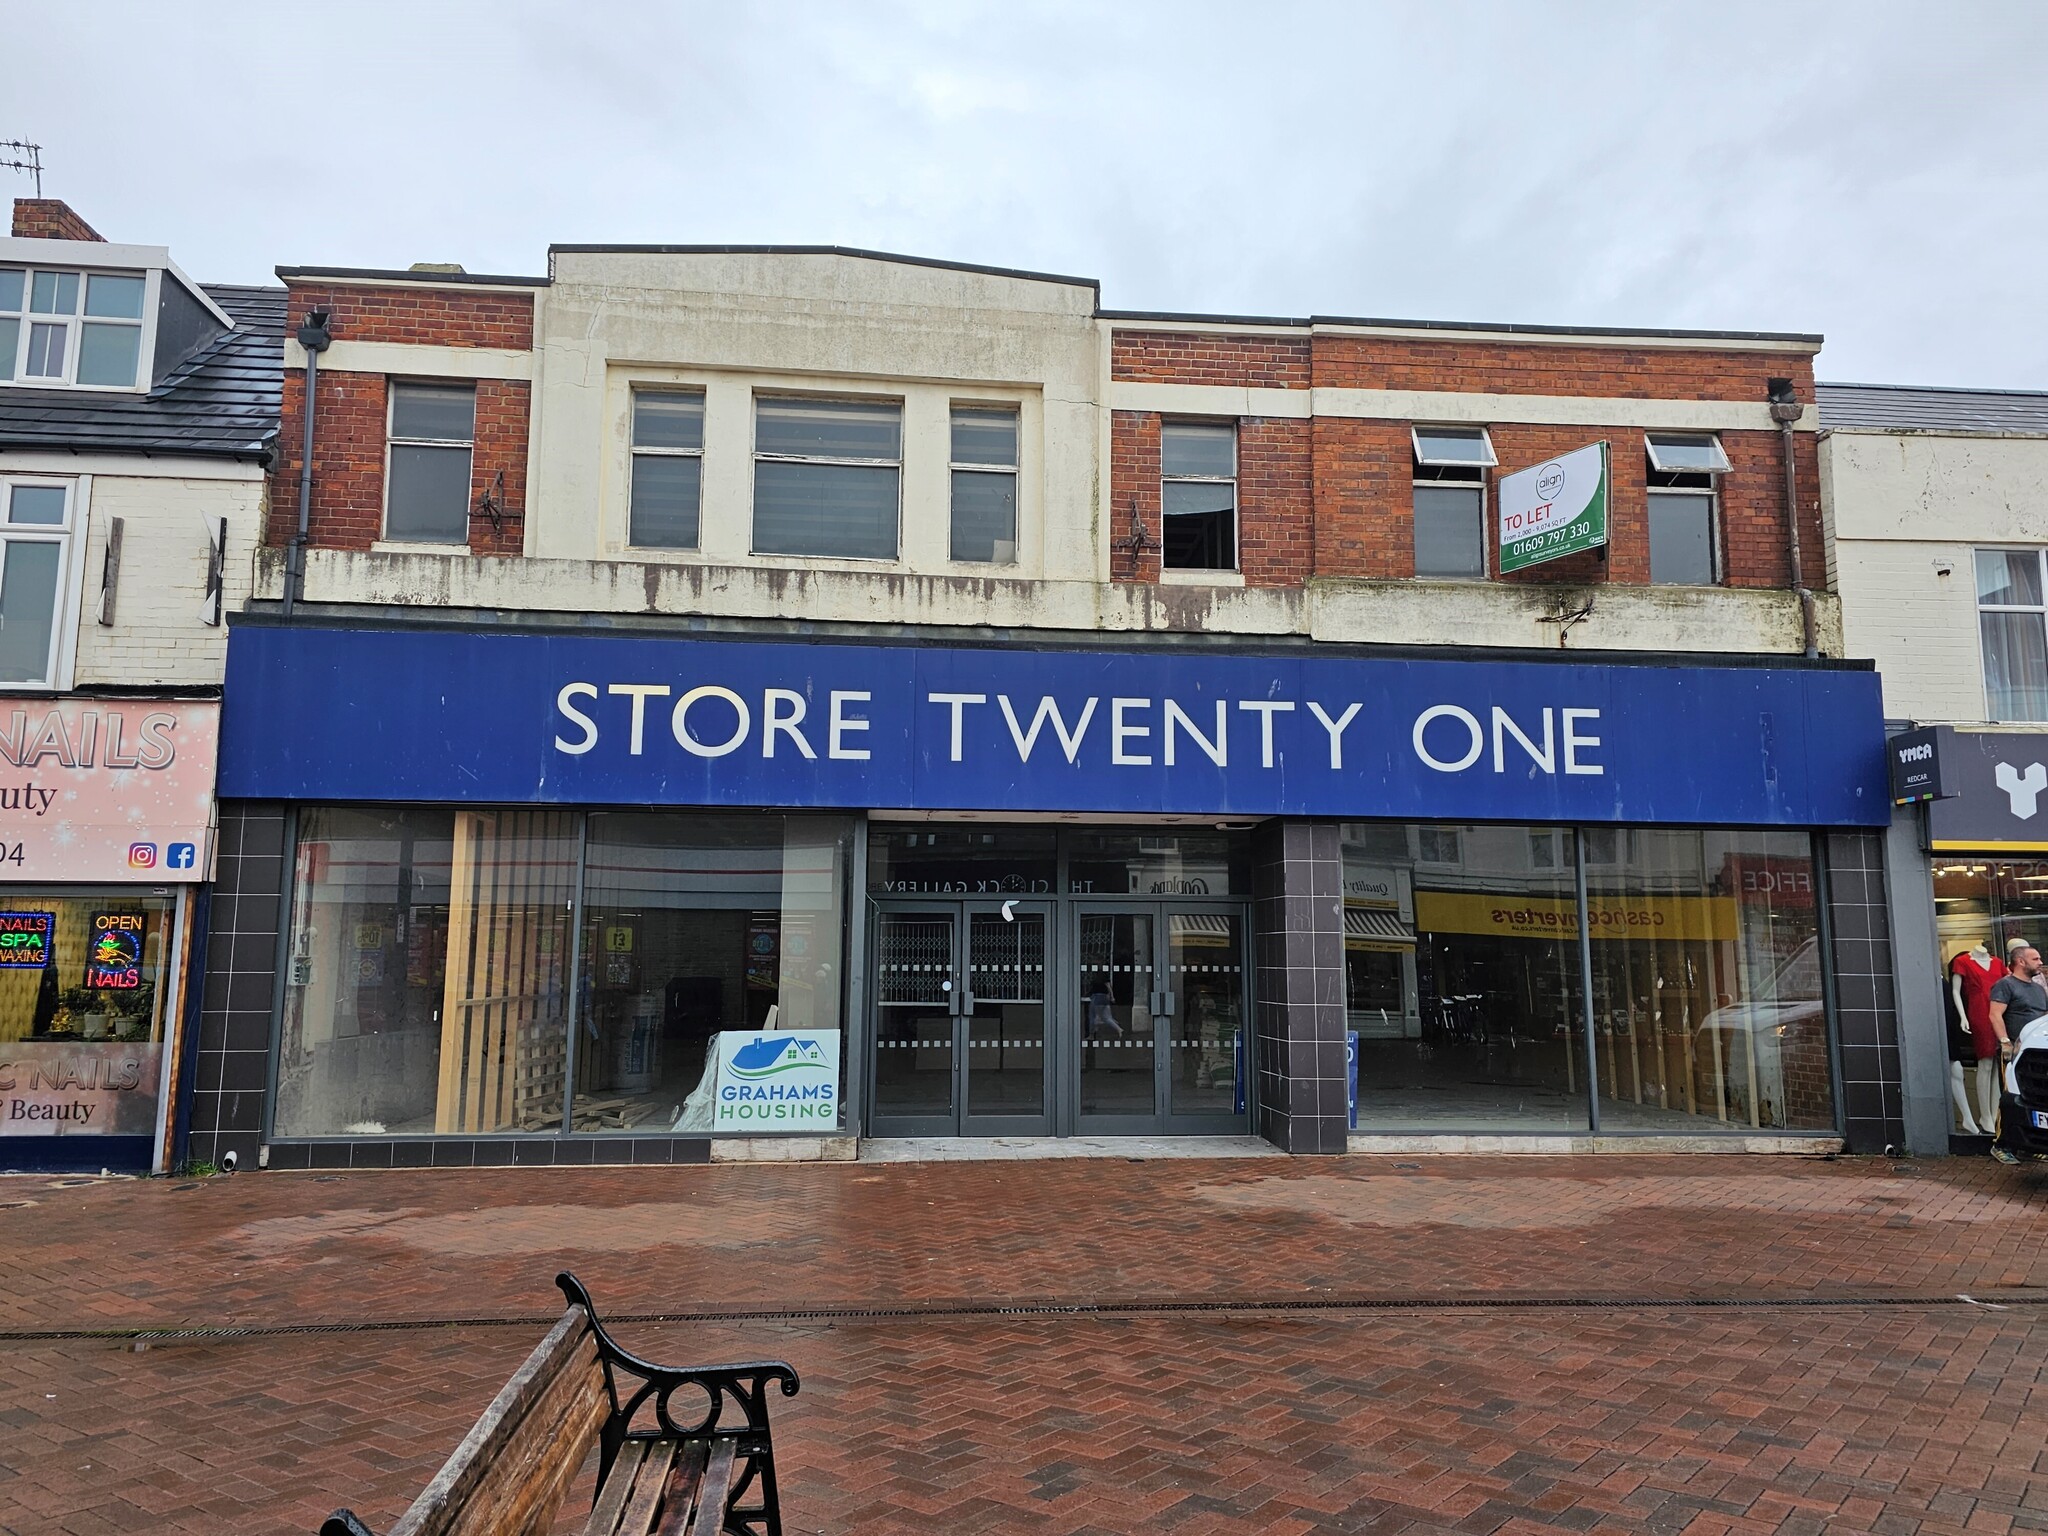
[(547, 896)]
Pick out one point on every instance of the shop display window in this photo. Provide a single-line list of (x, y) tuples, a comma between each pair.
[(1461, 974), (1463, 979), (1163, 863), (451, 972), (1707, 1004), (83, 997)]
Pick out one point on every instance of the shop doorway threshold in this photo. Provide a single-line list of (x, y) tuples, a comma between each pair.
[(990, 1149), (1642, 1145)]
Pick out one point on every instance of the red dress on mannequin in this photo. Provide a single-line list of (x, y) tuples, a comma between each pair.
[(1978, 981)]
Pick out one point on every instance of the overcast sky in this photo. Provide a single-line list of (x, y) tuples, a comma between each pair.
[(1873, 172)]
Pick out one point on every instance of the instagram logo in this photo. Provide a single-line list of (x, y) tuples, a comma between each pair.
[(142, 855)]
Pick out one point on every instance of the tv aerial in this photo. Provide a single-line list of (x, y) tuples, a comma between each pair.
[(23, 156)]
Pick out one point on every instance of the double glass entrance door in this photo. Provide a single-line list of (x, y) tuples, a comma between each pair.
[(1020, 1018)]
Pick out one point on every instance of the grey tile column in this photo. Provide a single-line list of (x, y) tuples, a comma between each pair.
[(1922, 1002), (1866, 1003), (232, 1069), (1298, 951)]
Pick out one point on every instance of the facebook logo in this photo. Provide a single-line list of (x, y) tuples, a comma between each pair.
[(181, 856)]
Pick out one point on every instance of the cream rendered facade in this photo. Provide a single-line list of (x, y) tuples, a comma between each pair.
[(742, 323), (1905, 510)]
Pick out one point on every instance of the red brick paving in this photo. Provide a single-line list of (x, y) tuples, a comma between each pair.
[(1411, 1422)]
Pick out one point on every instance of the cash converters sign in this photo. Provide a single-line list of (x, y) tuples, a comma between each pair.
[(1555, 508), (785, 1081), (563, 718)]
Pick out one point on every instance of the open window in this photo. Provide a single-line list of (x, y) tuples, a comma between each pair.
[(1683, 506)]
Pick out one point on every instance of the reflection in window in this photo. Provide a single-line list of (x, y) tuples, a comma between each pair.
[(433, 434), (1461, 978), (83, 999), (429, 968), (2011, 615), (694, 925), (1198, 496), (668, 470), (1707, 1005), (984, 470)]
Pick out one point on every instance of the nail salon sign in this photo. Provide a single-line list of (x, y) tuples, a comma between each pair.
[(106, 790)]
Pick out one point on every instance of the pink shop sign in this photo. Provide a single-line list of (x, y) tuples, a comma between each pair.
[(106, 790)]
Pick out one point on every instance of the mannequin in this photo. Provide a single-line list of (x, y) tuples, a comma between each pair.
[(1972, 1041)]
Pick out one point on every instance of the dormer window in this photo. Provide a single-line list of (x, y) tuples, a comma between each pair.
[(125, 326), (59, 328)]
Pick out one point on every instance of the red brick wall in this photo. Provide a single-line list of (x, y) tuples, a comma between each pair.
[(348, 467), (349, 433), (1133, 494), (429, 317), (46, 218), (1276, 535), (1360, 473), (1179, 357)]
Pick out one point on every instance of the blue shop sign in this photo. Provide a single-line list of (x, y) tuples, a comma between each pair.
[(383, 714)]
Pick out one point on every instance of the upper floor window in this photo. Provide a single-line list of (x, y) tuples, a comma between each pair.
[(35, 545), (426, 486), (59, 328), (1198, 497), (984, 470), (2012, 617), (668, 470), (1681, 474), (827, 477), (1450, 500)]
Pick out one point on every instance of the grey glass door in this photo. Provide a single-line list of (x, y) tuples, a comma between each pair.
[(1160, 1047), (960, 1038)]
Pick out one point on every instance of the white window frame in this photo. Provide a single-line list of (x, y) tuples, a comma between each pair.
[(635, 452), (2039, 611), (1015, 471), (71, 538), (391, 387), (1480, 482), (1712, 440), (1416, 430), (74, 322), (1235, 428), (759, 396)]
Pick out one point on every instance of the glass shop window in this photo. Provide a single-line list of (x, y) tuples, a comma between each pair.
[(82, 1008)]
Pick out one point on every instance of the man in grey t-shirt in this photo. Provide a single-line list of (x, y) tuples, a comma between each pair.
[(2017, 1000)]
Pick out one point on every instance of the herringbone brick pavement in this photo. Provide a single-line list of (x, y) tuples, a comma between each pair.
[(463, 1243), (1470, 1407)]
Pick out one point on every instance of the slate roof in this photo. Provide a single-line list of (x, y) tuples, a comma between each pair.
[(1903, 407), (221, 403)]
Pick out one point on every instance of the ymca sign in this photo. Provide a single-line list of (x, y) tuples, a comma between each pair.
[(371, 714)]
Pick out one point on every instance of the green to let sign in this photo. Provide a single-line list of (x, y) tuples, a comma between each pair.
[(1555, 508)]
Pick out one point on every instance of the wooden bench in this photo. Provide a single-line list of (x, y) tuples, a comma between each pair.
[(689, 1467)]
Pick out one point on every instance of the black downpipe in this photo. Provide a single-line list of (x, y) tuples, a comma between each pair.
[(315, 336)]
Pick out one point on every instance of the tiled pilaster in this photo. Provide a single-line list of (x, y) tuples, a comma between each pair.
[(1866, 1005), (232, 1065), (1298, 1014)]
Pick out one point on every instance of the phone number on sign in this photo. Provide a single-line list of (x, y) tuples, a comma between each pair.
[(1549, 539)]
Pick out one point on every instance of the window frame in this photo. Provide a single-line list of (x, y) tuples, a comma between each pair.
[(392, 385), (1711, 439), (634, 453), (1416, 429), (2037, 610), (1014, 470), (1234, 426), (1717, 570), (756, 398), (74, 322), (70, 537)]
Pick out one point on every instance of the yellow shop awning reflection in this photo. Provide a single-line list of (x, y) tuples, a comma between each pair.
[(1555, 917)]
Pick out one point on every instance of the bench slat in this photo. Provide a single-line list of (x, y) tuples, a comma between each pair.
[(712, 1493), (648, 1489), (508, 1476), (611, 1498), (685, 1487)]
